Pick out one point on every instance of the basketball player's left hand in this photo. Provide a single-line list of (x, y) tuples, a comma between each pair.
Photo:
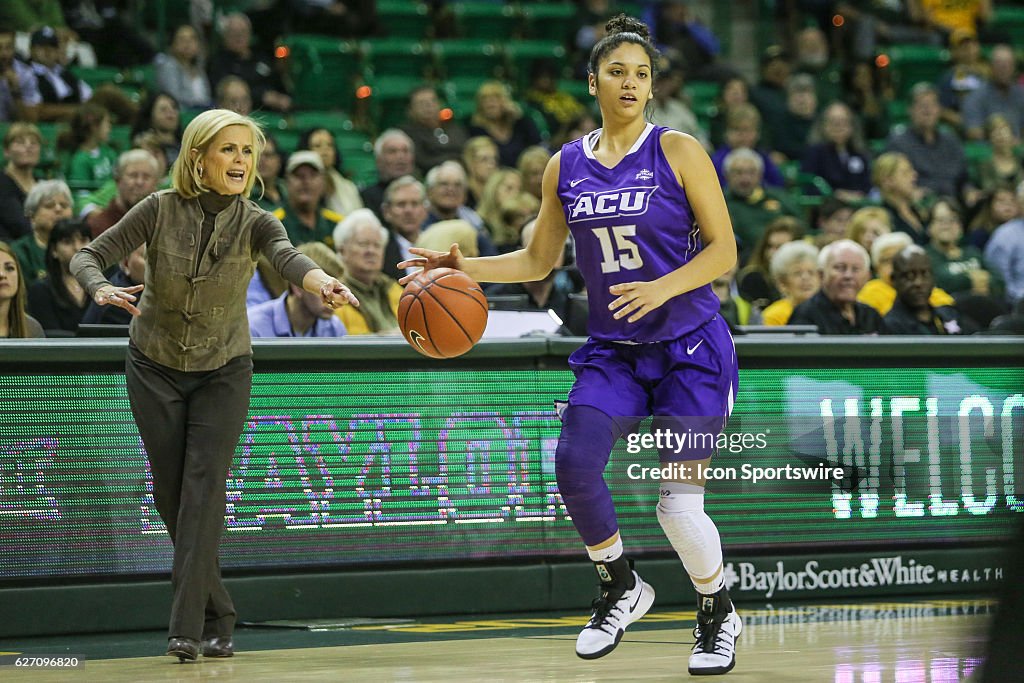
[(636, 299), (336, 294)]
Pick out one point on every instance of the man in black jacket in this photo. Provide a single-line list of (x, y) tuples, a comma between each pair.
[(911, 313)]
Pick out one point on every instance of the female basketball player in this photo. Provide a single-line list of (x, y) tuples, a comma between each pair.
[(652, 231)]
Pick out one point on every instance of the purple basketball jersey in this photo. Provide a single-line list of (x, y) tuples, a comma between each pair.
[(631, 223)]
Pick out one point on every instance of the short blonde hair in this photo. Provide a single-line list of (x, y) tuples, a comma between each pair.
[(860, 219), (440, 236), (185, 178), (885, 166)]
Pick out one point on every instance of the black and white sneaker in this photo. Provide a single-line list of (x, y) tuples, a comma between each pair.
[(613, 612), (718, 627)]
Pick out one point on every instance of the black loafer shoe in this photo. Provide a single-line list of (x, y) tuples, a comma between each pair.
[(185, 649), (221, 646)]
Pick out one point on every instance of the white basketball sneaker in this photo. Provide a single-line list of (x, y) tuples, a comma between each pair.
[(611, 617), (718, 627)]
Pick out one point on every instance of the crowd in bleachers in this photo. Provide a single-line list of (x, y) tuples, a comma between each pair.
[(875, 155)]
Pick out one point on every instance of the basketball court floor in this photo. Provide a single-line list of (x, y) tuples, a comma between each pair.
[(912, 641)]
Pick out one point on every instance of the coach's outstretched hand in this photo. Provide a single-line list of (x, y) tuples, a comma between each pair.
[(431, 259), (122, 297)]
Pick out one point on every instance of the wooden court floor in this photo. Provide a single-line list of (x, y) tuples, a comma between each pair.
[(921, 641)]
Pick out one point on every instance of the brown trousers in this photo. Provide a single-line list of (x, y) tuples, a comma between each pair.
[(190, 423)]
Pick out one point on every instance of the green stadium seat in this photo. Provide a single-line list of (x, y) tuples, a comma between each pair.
[(404, 18), (99, 75), (486, 20), (362, 168), (910, 64), (1010, 20), (396, 57), (702, 94), (977, 152), (287, 140), (323, 70), (121, 138), (577, 87), (271, 121), (469, 57), (316, 118), (548, 21), (388, 99), (522, 53)]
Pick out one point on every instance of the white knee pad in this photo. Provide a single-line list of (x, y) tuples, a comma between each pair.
[(692, 534)]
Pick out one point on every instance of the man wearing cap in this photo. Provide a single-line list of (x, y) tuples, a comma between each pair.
[(61, 90), (968, 72), (304, 216), (1002, 94), (19, 88)]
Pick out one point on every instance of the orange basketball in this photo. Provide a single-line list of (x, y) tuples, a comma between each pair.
[(442, 313)]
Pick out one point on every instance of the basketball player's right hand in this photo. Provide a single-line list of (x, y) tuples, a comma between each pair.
[(430, 259)]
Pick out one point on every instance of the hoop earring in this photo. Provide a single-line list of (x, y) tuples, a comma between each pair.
[(200, 169)]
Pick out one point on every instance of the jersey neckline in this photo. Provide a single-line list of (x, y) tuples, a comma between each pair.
[(591, 139)]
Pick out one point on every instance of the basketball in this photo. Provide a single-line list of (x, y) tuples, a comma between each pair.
[(442, 313)]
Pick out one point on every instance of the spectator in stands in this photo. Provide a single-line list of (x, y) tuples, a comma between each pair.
[(480, 159), (769, 95), (1002, 94), (234, 94), (751, 205), (110, 30), (551, 293), (837, 153), (794, 268), (181, 71), (868, 90), (446, 191), (405, 213), (732, 306), (517, 211), (543, 93), (19, 88), (867, 225), (340, 194), (360, 240), (58, 301), (270, 167), (997, 207), (937, 156), (46, 204), (336, 18), (574, 130), (22, 143), (137, 174), (912, 313), (686, 39), (793, 127), (236, 57), (755, 282), (870, 22), (896, 180), (813, 59), (130, 272), (831, 219), (267, 283), (298, 313), (161, 115), (61, 90), (531, 165), (1004, 167), (498, 117), (1005, 253), (92, 158), (743, 130), (436, 139), (445, 233), (844, 267), (304, 217), (670, 106), (734, 92), (15, 323), (394, 152), (879, 293), (968, 72), (944, 17), (960, 270), (504, 184)]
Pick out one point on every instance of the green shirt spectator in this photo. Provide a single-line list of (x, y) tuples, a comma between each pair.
[(751, 205)]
